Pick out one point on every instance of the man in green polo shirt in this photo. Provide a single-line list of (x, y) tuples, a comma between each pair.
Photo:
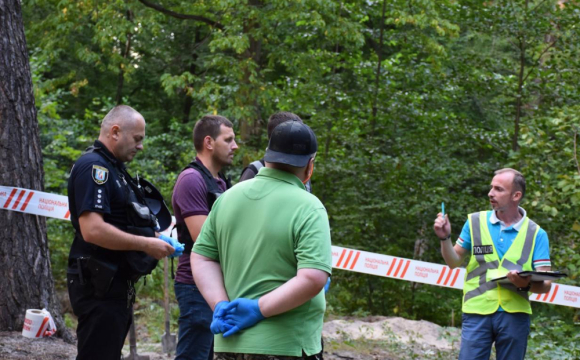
[(266, 246)]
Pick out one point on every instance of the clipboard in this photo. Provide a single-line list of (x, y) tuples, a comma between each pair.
[(536, 276)]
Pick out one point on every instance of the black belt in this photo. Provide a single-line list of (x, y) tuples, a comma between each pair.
[(130, 286)]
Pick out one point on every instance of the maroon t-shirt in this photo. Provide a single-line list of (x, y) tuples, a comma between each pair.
[(189, 199)]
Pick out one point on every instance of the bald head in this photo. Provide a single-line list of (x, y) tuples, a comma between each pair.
[(121, 115), (122, 132)]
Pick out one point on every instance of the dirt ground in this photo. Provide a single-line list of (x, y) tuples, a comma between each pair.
[(346, 338), (15, 346)]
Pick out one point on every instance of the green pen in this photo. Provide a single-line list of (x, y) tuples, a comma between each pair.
[(443, 209)]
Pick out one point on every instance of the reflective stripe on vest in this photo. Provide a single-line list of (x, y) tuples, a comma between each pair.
[(485, 296)]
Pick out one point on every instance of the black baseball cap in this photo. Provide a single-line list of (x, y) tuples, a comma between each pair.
[(292, 143)]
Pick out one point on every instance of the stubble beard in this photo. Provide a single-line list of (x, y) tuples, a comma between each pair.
[(221, 162)]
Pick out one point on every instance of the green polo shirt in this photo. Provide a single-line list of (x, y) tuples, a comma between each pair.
[(262, 231)]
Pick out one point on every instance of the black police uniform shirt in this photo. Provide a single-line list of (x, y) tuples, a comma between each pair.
[(95, 186)]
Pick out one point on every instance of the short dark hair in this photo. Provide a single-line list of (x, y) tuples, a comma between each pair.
[(209, 125), (519, 183), (278, 118)]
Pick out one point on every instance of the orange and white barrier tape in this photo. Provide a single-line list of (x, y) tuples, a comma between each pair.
[(34, 202), (432, 274), (41, 203), (38, 323), (56, 206), (397, 268)]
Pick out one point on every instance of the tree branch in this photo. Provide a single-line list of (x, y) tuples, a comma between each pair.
[(537, 6), (200, 43), (513, 43), (176, 15), (539, 57)]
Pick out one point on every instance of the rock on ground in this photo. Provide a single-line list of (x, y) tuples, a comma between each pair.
[(380, 328)]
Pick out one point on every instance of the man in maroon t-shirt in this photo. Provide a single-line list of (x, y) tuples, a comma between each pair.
[(196, 188)]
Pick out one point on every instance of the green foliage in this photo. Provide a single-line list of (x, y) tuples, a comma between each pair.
[(411, 108), (553, 338), (60, 235), (550, 157)]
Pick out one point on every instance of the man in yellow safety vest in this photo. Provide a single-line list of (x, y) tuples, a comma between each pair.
[(502, 242)]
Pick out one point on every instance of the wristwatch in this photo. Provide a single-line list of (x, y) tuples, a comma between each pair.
[(525, 289)]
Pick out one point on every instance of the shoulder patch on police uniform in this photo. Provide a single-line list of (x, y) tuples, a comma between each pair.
[(100, 174)]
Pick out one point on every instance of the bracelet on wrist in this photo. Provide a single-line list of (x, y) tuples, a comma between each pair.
[(447, 238)]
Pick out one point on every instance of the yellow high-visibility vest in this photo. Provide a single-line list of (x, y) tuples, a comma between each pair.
[(482, 296)]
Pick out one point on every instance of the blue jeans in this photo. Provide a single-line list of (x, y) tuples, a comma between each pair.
[(195, 340), (509, 331)]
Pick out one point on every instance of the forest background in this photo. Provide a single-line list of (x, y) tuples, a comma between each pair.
[(414, 102)]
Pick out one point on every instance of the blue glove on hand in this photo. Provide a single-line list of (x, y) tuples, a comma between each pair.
[(176, 245), (218, 324), (241, 314), (218, 310), (327, 285)]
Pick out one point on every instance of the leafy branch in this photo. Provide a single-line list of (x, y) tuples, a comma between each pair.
[(182, 16), (535, 62)]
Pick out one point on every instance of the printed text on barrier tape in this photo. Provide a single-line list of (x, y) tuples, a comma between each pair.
[(56, 206), (34, 202)]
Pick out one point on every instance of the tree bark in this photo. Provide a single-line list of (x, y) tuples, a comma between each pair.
[(27, 278)]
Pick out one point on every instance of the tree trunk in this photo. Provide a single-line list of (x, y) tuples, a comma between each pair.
[(248, 96), (520, 90), (121, 77), (188, 98), (378, 75), (520, 94), (27, 279)]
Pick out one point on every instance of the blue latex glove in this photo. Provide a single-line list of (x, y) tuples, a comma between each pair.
[(218, 324), (218, 311), (327, 285), (179, 247), (241, 314)]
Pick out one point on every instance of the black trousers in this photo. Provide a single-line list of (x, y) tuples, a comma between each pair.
[(103, 323)]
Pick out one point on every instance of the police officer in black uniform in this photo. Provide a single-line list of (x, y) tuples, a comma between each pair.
[(115, 240)]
